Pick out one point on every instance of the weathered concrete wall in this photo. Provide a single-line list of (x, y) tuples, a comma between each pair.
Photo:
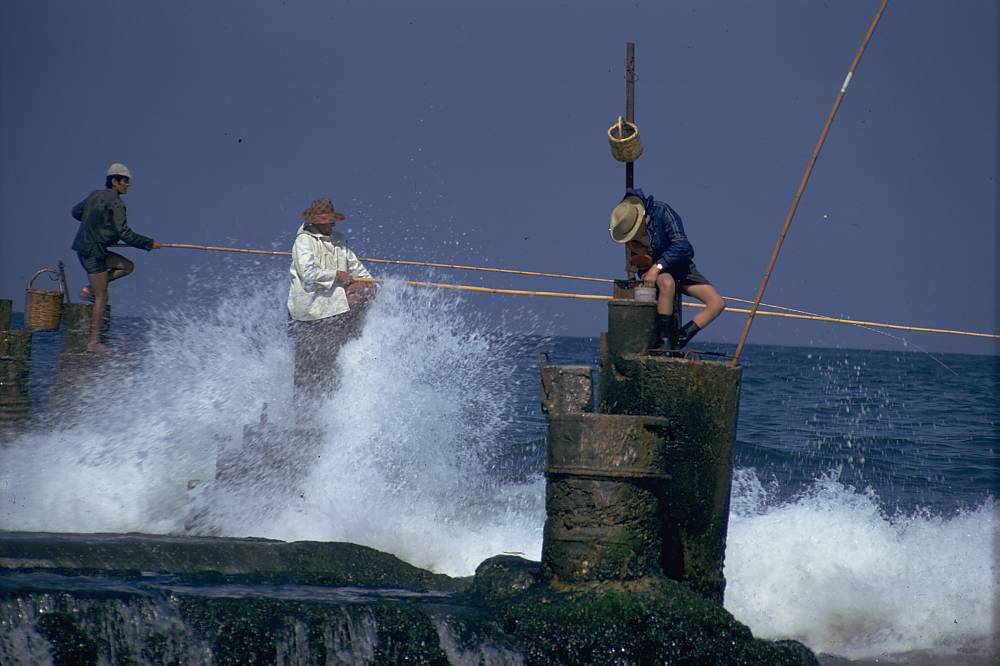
[(631, 327), (604, 495), (567, 389), (700, 400), (15, 367), (228, 601), (597, 522), (76, 318), (84, 384), (216, 559), (6, 311)]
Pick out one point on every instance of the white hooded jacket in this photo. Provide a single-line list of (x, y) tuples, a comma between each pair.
[(315, 261)]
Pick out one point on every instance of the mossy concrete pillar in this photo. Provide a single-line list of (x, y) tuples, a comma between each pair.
[(86, 383), (700, 400), (76, 318), (631, 327), (270, 455), (15, 345), (603, 497), (6, 310), (567, 389), (15, 367)]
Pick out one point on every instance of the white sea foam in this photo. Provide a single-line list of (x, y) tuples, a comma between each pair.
[(406, 452), (831, 569), (407, 444)]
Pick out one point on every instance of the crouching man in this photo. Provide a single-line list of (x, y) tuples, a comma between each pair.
[(655, 236)]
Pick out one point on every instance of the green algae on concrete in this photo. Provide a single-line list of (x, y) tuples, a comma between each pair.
[(209, 559), (264, 630), (650, 621), (700, 400), (603, 496), (510, 615)]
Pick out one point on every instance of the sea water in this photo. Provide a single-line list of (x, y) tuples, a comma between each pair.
[(863, 521)]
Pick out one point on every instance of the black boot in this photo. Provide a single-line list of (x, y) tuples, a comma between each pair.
[(666, 333), (688, 331)]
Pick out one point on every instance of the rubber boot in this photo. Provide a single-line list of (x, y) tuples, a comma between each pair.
[(688, 331), (666, 333)]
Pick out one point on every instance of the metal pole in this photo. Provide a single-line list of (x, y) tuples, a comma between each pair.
[(630, 117), (629, 103), (805, 181)]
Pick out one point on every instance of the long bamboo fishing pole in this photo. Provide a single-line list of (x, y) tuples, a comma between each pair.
[(763, 313), (805, 181), (790, 314)]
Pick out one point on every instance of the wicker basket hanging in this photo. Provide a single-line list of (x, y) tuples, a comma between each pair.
[(624, 138), (43, 309)]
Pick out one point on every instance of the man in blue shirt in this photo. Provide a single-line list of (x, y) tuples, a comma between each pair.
[(655, 236)]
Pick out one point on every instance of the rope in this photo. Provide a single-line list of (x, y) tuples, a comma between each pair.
[(791, 313)]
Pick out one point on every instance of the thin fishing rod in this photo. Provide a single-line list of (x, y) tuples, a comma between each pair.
[(805, 181), (214, 248)]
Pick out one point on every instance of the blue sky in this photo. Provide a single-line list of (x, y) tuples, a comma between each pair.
[(474, 132)]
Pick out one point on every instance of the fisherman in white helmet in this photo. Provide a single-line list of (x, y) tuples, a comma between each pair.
[(103, 224)]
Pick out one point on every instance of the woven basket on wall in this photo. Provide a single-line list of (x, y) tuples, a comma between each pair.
[(43, 309)]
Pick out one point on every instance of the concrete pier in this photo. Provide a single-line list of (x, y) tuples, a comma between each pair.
[(15, 367), (83, 378), (604, 497), (6, 311), (284, 454), (76, 318), (640, 487)]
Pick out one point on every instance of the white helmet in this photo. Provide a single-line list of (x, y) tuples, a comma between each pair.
[(118, 169)]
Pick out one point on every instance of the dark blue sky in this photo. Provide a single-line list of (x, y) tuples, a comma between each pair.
[(474, 132)]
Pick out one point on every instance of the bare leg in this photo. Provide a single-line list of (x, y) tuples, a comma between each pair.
[(118, 267), (99, 289), (714, 305), (665, 301)]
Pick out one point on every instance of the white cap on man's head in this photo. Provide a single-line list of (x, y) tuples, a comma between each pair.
[(118, 169)]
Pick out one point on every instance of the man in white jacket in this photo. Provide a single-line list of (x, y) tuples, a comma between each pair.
[(321, 316)]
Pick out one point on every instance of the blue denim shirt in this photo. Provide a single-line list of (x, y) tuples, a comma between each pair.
[(668, 242)]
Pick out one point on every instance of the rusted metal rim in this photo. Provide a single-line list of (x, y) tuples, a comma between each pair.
[(599, 472)]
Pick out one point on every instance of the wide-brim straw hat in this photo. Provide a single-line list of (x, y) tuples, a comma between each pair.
[(322, 212), (627, 219)]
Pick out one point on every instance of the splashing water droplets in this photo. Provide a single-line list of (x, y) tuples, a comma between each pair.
[(404, 449)]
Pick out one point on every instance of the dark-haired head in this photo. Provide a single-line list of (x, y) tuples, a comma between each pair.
[(110, 179)]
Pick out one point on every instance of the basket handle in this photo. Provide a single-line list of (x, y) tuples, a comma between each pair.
[(56, 278)]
